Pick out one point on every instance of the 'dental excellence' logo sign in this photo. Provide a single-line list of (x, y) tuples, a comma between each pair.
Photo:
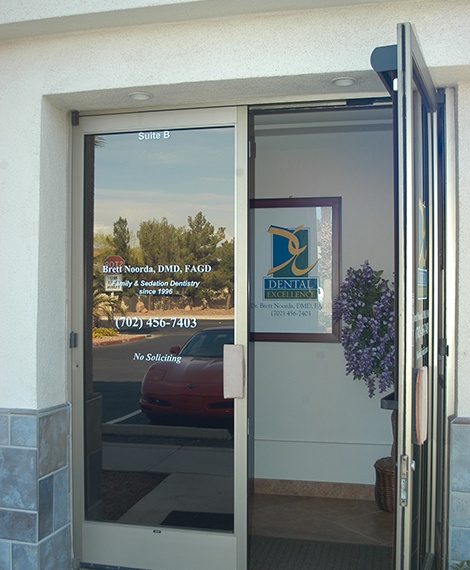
[(288, 277)]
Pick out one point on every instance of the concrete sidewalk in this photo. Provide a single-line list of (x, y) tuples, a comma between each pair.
[(200, 479)]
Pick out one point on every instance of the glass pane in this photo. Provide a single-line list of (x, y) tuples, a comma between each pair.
[(160, 274), (421, 313)]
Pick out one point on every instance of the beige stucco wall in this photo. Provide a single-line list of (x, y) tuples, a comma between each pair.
[(463, 251), (242, 58)]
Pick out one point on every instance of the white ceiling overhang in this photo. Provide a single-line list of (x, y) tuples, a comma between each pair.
[(23, 18)]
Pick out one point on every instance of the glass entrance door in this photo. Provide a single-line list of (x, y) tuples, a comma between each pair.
[(159, 429), (419, 273)]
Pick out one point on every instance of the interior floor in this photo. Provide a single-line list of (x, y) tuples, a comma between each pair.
[(320, 519)]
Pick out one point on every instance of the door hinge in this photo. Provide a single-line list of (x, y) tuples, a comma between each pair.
[(404, 460), (395, 84), (75, 118), (73, 339), (441, 96)]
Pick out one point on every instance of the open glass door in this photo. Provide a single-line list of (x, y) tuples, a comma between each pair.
[(417, 274), (159, 419)]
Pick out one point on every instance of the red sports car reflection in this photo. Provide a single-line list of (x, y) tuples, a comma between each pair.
[(190, 386)]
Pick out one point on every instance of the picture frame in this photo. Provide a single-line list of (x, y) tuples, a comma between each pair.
[(292, 293)]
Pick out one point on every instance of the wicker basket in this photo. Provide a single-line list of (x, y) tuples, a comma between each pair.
[(385, 484)]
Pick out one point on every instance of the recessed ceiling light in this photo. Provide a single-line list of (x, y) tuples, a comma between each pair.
[(343, 81), (140, 96)]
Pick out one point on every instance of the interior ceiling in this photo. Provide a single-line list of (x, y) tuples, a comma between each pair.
[(329, 120), (381, 114)]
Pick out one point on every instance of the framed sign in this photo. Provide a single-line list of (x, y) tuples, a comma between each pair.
[(296, 274)]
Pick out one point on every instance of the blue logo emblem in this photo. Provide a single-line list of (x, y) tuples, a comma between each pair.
[(290, 266)]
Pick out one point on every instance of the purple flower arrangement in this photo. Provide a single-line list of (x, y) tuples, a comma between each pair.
[(365, 305)]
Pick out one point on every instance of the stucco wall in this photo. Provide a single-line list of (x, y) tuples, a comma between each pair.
[(237, 59), (192, 57), (242, 58), (463, 252)]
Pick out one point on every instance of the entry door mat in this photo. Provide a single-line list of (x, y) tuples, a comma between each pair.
[(121, 490), (271, 553), (200, 520)]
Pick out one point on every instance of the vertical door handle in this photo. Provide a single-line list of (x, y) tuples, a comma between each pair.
[(234, 371)]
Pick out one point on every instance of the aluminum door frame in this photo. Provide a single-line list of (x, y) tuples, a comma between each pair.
[(173, 549), (404, 73)]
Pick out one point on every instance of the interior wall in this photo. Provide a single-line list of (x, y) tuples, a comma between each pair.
[(311, 421)]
